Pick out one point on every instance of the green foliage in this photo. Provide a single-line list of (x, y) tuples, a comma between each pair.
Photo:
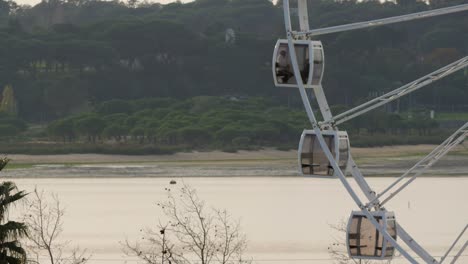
[(10, 125), (82, 148), (241, 142), (8, 130), (115, 131), (115, 107), (8, 103), (63, 128), (451, 116), (194, 135), (10, 231), (91, 126), (3, 162), (139, 82), (229, 124), (64, 56)]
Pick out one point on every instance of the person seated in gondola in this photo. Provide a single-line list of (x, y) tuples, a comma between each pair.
[(283, 67), (305, 72)]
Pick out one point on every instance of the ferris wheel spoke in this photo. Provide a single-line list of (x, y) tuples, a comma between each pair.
[(303, 15), (411, 243), (453, 245), (383, 21), (399, 92), (423, 165), (459, 253), (324, 146), (361, 182)]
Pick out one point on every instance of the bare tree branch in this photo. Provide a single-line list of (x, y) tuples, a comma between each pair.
[(192, 232), (45, 222)]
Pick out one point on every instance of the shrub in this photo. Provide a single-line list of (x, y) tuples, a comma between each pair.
[(8, 130), (241, 141)]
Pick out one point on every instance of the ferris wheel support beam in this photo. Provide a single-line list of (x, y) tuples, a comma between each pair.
[(309, 111), (321, 140), (384, 21), (361, 182), (397, 93), (318, 90), (453, 245), (371, 196), (402, 234), (363, 185), (303, 15), (459, 253), (423, 165), (322, 102), (411, 243)]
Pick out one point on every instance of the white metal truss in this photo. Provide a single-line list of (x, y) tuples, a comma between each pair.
[(397, 93), (323, 144), (329, 120), (453, 245), (381, 22), (423, 165), (303, 15), (411, 243), (371, 196), (459, 253)]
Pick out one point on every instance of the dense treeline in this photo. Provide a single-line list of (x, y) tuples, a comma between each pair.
[(64, 57), (228, 123), (157, 77), (200, 122)]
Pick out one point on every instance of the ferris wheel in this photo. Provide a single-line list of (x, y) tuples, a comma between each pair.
[(324, 151)]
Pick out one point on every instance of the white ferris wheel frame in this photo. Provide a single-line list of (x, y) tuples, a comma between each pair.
[(330, 123)]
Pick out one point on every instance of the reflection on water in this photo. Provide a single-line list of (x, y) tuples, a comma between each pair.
[(284, 218)]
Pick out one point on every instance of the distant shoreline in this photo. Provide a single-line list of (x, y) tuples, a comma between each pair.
[(242, 155), (219, 156), (374, 162)]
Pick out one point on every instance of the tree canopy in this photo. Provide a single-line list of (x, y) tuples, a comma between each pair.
[(62, 57)]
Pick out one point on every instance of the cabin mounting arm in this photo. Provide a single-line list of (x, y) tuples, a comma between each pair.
[(381, 22), (397, 93)]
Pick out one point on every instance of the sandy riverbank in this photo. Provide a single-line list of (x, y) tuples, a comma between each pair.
[(378, 162), (266, 154)]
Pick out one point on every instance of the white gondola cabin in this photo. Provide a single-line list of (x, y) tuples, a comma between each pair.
[(364, 241), (313, 161), (310, 59)]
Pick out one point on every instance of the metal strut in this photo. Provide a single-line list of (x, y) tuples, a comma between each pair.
[(397, 93), (402, 234), (384, 21), (423, 165), (411, 243), (324, 145), (453, 245), (459, 253), (371, 196)]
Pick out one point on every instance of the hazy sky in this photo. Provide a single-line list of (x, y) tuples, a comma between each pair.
[(33, 2)]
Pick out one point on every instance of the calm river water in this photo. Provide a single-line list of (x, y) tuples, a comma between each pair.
[(286, 219)]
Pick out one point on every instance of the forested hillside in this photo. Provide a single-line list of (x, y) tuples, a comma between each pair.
[(63, 58)]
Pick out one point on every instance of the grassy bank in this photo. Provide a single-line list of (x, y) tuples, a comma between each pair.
[(55, 148), (86, 148)]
